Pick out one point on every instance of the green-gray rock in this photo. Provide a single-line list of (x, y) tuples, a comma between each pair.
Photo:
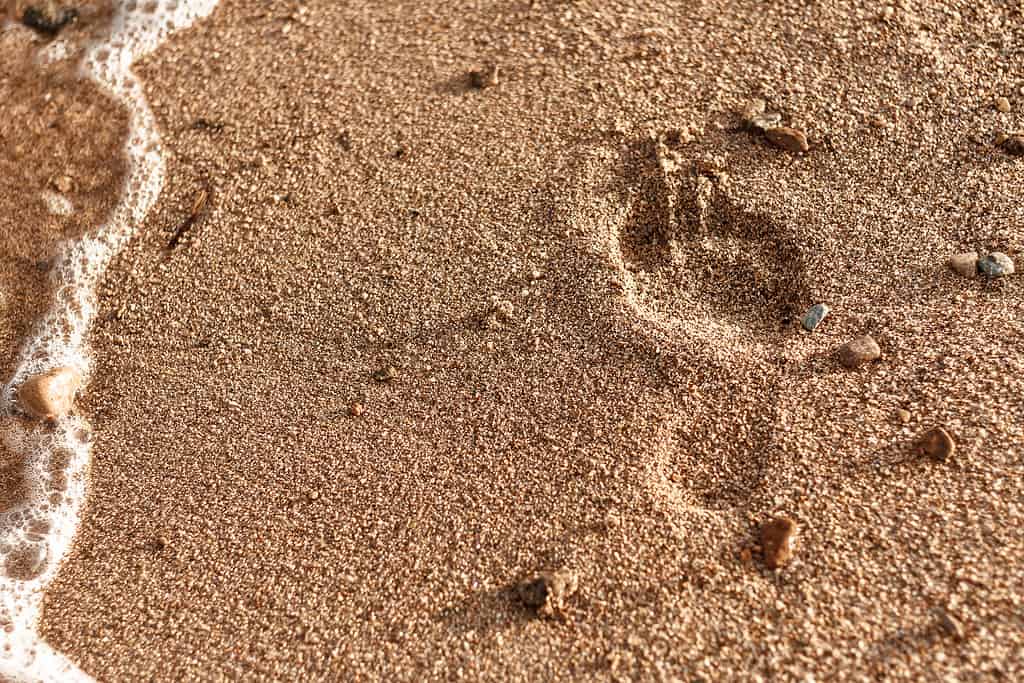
[(996, 264), (814, 315)]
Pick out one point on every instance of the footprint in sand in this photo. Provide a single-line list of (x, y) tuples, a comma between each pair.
[(712, 289)]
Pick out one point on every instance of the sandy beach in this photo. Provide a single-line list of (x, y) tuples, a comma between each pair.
[(441, 295)]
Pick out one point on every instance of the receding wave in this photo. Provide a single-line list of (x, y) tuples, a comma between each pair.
[(51, 447)]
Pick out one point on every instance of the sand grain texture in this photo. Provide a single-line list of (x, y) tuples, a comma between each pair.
[(649, 401)]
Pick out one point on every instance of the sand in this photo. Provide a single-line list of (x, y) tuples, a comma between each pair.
[(646, 402), (60, 173)]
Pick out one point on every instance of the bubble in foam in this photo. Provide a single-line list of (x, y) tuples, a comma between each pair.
[(34, 536)]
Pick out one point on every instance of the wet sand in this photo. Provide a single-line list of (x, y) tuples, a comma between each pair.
[(60, 173), (588, 279)]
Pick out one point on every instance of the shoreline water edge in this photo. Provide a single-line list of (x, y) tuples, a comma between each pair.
[(53, 363)]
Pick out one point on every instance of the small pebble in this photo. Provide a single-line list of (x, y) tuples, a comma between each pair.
[(504, 310), (903, 415), (996, 264), (64, 184), (48, 17), (499, 314), (776, 538), (51, 394), (950, 624), (1003, 104), (789, 139), (937, 444), (878, 121), (356, 409), (548, 592), (388, 374), (965, 264), (814, 315), (484, 78), (1012, 144), (756, 118), (861, 350)]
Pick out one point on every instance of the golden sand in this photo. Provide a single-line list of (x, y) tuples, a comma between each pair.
[(643, 405)]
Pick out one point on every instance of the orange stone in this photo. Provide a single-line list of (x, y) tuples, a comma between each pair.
[(789, 139), (775, 539), (937, 444), (51, 394), (858, 351)]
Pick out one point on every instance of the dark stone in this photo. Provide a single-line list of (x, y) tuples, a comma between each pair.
[(48, 17)]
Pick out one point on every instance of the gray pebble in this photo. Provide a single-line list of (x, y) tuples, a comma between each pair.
[(996, 264), (814, 315)]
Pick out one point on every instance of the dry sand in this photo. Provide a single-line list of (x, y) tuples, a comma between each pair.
[(646, 402)]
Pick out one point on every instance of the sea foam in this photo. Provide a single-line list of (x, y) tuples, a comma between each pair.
[(36, 534)]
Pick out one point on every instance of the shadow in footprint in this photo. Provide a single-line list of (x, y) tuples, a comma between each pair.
[(695, 254)]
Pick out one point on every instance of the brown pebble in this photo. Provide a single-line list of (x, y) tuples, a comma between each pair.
[(504, 311), (878, 121), (499, 314), (388, 374), (484, 78), (1013, 144), (789, 139), (937, 444), (63, 184), (775, 539), (903, 415), (51, 394), (965, 264), (745, 555), (48, 16), (950, 624), (861, 350), (548, 592), (1003, 105), (356, 409)]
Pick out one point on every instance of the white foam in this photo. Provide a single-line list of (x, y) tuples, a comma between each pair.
[(39, 532)]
